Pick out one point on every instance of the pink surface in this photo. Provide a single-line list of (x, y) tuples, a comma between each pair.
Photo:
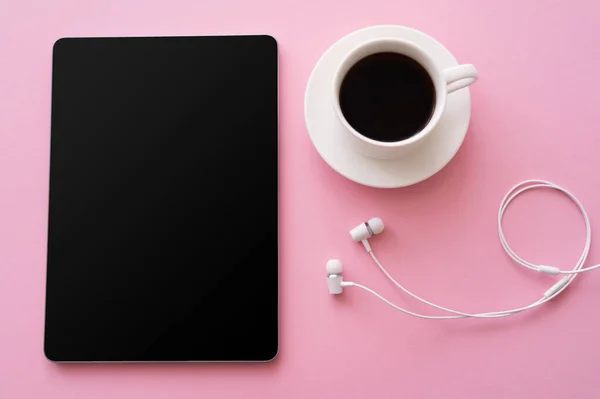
[(534, 115)]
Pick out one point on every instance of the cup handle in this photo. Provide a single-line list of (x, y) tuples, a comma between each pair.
[(460, 76)]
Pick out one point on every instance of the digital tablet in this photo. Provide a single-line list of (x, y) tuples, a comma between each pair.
[(163, 202)]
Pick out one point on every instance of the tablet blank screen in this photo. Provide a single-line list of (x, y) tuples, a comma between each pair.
[(163, 229)]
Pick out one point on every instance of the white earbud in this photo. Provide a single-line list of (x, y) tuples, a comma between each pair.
[(367, 230), (364, 231), (334, 276)]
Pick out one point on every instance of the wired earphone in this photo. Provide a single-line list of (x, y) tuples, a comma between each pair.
[(363, 232)]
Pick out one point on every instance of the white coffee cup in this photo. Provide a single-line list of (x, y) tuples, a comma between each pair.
[(445, 81)]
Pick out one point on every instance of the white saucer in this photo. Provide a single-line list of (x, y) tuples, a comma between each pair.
[(326, 131)]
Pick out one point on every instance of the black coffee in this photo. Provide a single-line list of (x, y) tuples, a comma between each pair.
[(387, 97)]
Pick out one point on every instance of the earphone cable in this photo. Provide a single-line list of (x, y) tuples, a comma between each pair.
[(554, 291)]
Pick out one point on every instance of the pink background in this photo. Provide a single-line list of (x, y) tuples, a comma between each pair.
[(534, 115)]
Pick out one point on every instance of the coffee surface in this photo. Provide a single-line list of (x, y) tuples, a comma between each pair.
[(387, 97)]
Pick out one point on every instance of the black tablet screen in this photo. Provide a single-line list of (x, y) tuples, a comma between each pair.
[(163, 230)]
